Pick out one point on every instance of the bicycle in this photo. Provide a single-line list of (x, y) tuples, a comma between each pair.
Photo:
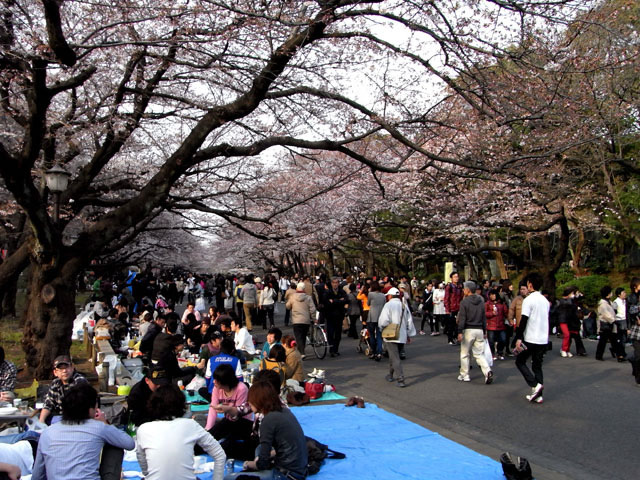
[(317, 338)]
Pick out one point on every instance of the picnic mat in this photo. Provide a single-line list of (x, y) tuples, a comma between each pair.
[(382, 446)]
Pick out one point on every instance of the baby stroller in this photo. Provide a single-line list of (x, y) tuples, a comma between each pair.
[(363, 343)]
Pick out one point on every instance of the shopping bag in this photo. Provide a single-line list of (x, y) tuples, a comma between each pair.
[(487, 353)]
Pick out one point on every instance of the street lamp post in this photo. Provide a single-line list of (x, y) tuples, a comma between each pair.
[(57, 180)]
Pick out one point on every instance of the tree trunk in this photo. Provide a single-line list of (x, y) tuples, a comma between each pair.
[(8, 299), (576, 255), (500, 262), (48, 326)]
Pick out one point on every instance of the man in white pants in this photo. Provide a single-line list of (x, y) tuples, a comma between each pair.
[(472, 325)]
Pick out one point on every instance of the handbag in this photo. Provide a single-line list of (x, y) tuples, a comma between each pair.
[(515, 468), (391, 331)]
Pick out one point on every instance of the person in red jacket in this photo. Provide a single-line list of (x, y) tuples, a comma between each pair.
[(453, 293), (496, 312)]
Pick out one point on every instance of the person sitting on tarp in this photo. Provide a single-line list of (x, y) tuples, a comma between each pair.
[(228, 391), (72, 449), (224, 357), (66, 377), (8, 375), (141, 392), (165, 446), (276, 362), (274, 336), (281, 433)]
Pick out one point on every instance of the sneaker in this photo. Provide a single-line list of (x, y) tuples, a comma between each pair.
[(422, 332), (464, 378), (563, 354), (569, 354), (302, 357), (535, 392), (451, 343), (401, 383), (534, 400), (489, 378), (500, 357), (389, 378)]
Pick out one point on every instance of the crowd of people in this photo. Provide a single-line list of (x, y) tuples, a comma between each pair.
[(250, 420)]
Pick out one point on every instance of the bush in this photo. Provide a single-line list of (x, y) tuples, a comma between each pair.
[(589, 285)]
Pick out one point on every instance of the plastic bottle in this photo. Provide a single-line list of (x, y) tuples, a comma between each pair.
[(180, 385), (229, 466)]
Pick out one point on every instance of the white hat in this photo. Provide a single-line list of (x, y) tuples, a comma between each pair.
[(300, 287), (258, 280), (393, 291)]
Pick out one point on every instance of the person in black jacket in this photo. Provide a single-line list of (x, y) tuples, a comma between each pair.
[(335, 303), (567, 314), (427, 312), (141, 392), (146, 344)]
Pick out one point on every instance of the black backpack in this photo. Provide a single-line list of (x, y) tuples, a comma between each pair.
[(515, 468), (317, 452)]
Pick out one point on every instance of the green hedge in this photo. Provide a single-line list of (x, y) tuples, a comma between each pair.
[(589, 285)]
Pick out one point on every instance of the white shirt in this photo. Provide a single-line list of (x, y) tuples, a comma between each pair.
[(536, 307), (165, 449), (620, 306), (438, 301), (243, 341), (19, 453)]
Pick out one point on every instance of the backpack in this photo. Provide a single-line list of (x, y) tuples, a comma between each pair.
[(317, 452), (266, 364)]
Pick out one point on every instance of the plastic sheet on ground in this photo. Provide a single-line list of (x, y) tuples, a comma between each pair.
[(382, 446)]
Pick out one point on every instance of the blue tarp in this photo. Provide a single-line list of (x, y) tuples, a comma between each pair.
[(384, 446)]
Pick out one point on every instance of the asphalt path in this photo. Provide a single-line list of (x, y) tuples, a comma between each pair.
[(585, 429)]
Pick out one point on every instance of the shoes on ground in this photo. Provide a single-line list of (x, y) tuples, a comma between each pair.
[(389, 378), (464, 378), (352, 401), (403, 357), (500, 357), (360, 402), (401, 383), (535, 392), (378, 357), (564, 354), (317, 373), (489, 378), (422, 332)]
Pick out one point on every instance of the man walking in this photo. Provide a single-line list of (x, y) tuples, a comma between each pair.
[(335, 303), (532, 337), (472, 325)]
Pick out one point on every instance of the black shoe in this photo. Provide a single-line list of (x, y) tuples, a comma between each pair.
[(600, 358), (489, 378), (403, 357)]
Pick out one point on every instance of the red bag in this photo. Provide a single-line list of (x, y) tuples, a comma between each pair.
[(314, 390)]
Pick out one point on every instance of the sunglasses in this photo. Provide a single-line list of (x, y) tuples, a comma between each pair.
[(62, 366)]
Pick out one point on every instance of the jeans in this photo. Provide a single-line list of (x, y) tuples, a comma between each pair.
[(235, 438), (473, 340), (111, 462), (353, 323), (249, 314), (300, 332), (451, 327), (334, 333), (635, 363), (274, 474), (268, 313), (287, 316), (536, 352), (567, 335), (499, 336), (607, 335), (375, 338), (395, 364)]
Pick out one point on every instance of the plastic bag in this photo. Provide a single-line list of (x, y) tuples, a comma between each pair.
[(197, 383), (487, 353)]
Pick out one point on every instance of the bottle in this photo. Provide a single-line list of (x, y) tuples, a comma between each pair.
[(229, 466), (180, 385)]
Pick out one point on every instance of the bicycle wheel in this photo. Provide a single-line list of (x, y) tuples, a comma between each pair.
[(319, 341)]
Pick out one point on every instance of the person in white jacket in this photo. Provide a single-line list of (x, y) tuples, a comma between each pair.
[(396, 312), (243, 339)]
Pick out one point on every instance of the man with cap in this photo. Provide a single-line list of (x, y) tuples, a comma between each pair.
[(396, 312), (66, 377), (472, 328), (141, 392)]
